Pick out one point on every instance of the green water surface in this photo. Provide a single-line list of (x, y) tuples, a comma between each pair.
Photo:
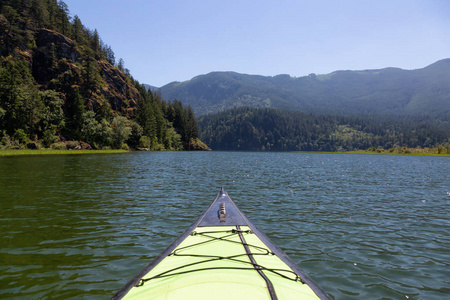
[(363, 227)]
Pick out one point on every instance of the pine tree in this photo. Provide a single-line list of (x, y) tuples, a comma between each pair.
[(39, 14), (95, 43), (63, 18), (74, 109), (77, 30), (9, 99)]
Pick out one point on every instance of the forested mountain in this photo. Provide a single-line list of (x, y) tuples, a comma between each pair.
[(61, 85), (258, 129), (385, 92)]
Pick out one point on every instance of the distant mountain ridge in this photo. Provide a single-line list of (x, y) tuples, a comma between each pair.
[(387, 92), (150, 87)]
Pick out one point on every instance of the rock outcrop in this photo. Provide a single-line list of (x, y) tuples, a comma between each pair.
[(32, 146), (63, 46), (121, 94), (197, 145), (58, 64)]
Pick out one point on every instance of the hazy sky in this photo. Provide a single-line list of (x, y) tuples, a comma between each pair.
[(163, 40)]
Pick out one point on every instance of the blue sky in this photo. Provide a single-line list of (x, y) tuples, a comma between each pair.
[(174, 40)]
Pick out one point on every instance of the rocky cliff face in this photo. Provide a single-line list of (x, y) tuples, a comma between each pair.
[(56, 63), (121, 95), (63, 46), (55, 55), (56, 58)]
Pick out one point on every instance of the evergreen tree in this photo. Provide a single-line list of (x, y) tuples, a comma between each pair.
[(39, 13), (121, 64), (52, 115), (63, 18), (135, 134), (53, 14), (95, 43), (77, 30), (109, 55), (9, 99), (191, 124), (74, 109), (183, 121), (146, 117), (91, 75)]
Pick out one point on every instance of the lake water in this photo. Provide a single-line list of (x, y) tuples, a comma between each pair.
[(362, 226)]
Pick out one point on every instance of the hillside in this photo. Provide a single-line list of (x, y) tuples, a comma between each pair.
[(263, 129), (386, 92), (61, 86)]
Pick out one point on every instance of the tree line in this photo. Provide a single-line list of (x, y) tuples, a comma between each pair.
[(256, 129), (69, 107)]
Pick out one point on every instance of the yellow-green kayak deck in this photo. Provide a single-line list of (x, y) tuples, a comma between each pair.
[(222, 256)]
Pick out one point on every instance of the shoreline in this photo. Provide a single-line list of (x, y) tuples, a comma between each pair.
[(28, 152), (397, 153), (377, 153), (44, 152)]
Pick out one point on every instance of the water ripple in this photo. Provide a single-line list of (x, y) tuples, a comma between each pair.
[(362, 226)]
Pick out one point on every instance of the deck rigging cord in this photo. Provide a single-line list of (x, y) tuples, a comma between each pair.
[(234, 258)]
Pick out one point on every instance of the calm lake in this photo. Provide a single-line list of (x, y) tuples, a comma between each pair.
[(362, 226)]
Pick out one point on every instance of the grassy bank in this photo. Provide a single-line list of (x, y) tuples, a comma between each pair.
[(440, 150), (4, 153), (397, 153), (408, 151)]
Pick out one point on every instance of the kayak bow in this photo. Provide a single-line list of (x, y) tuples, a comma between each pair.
[(222, 255)]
